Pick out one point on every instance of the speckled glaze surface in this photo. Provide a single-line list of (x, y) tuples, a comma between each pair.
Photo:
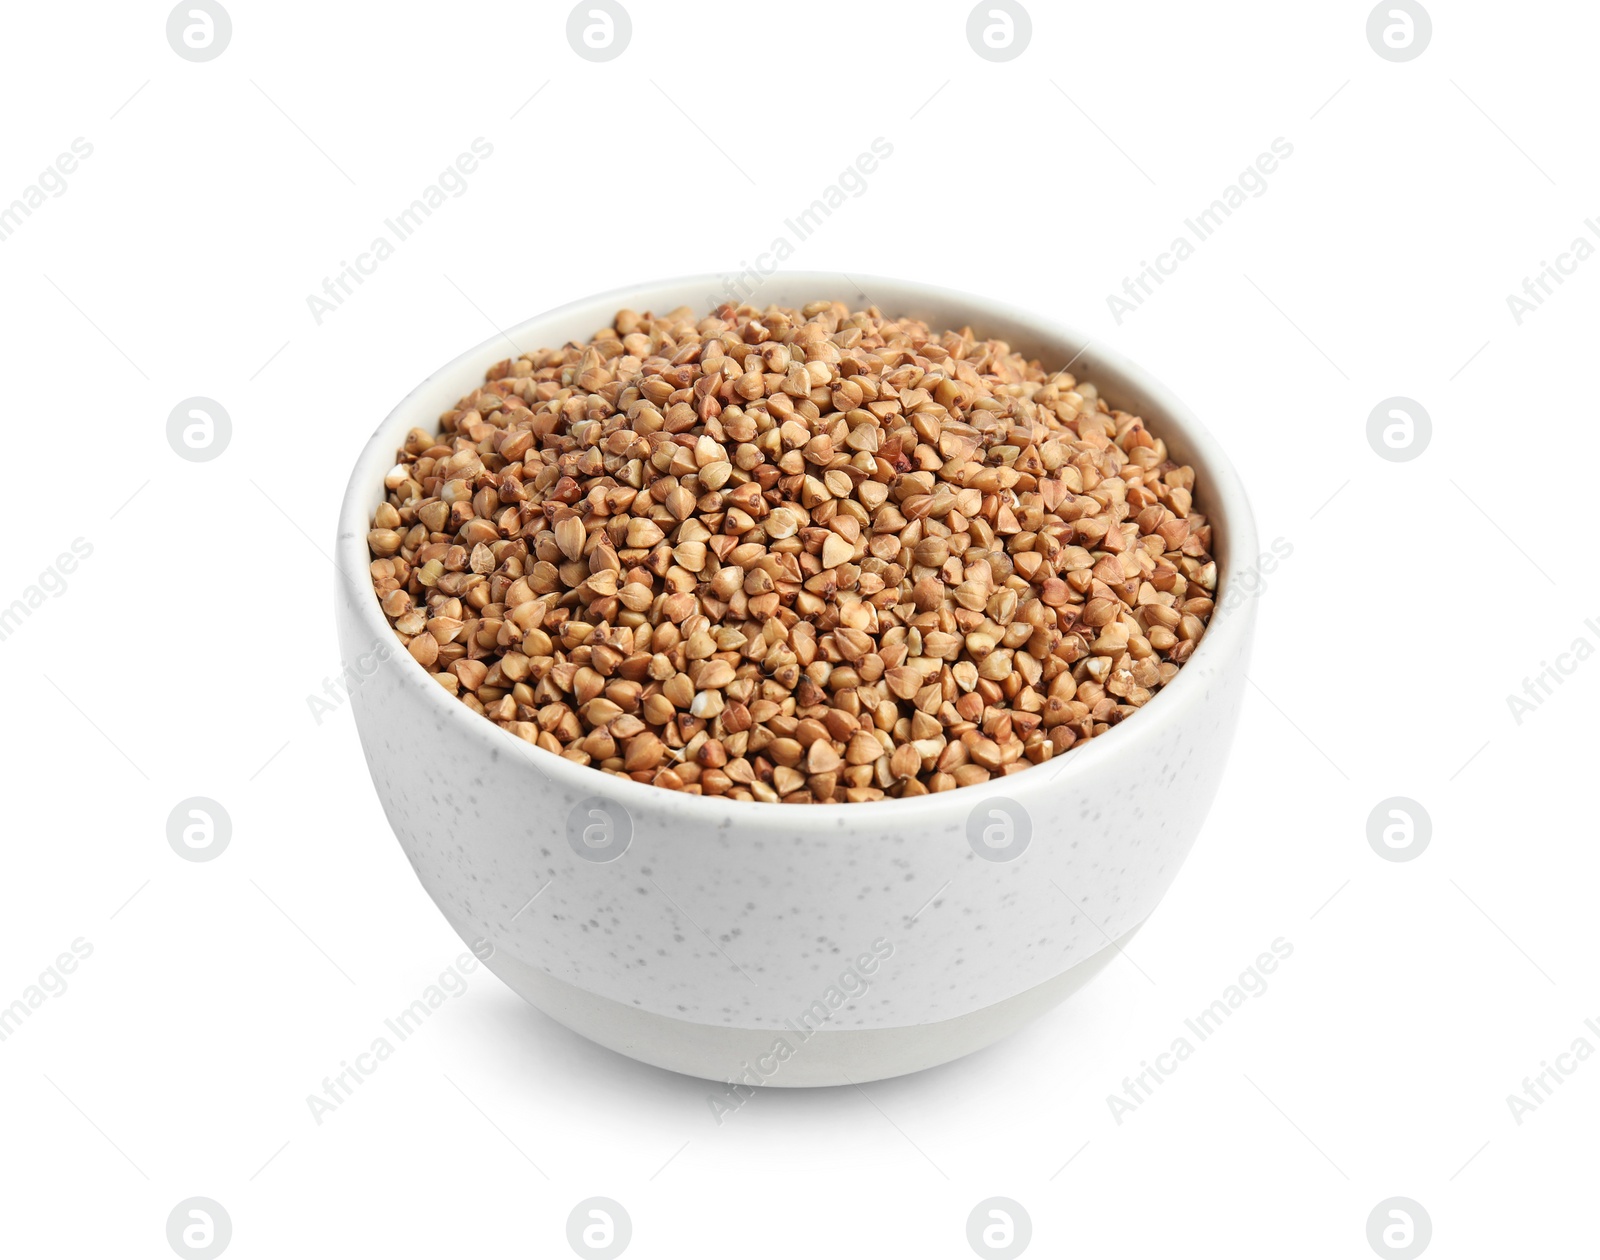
[(738, 921)]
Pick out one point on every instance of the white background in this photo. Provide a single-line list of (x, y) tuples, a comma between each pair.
[(179, 659)]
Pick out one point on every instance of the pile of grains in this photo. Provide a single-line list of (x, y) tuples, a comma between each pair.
[(802, 556)]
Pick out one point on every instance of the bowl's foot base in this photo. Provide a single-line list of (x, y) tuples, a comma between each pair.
[(826, 1056)]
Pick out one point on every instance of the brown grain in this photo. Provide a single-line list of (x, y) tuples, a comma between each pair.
[(780, 555)]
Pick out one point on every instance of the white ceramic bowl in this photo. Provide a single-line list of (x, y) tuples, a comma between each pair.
[(785, 944)]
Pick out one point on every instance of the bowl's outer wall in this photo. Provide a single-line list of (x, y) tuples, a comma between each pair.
[(744, 915)]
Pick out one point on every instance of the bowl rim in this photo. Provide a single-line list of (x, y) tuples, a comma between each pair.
[(1228, 630)]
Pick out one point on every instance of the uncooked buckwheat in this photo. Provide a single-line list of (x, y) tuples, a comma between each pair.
[(796, 556)]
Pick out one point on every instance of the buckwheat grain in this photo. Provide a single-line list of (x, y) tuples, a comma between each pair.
[(800, 556)]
